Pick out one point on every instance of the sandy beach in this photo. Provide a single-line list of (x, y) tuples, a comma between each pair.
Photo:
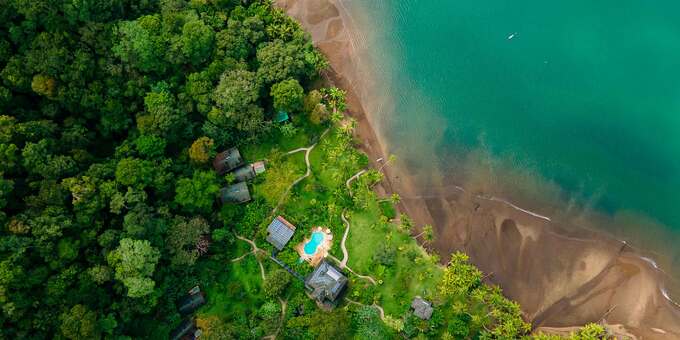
[(563, 276)]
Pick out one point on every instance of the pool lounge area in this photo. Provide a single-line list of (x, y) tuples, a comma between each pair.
[(315, 248)]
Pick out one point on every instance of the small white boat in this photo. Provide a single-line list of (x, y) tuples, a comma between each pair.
[(512, 36)]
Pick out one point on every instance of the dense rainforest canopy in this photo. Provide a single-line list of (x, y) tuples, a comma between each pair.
[(111, 112)]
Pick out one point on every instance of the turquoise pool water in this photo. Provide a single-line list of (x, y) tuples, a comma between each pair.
[(314, 242)]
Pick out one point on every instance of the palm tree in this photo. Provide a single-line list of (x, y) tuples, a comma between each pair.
[(390, 159), (429, 235), (427, 232), (406, 223)]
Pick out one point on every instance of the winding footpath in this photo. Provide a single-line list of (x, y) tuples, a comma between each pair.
[(284, 305), (307, 150), (345, 253), (254, 252), (349, 181), (365, 277)]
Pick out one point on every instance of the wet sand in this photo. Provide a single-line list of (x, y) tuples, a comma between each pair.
[(563, 276)]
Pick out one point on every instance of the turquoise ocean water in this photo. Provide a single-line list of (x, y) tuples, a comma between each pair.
[(585, 94)]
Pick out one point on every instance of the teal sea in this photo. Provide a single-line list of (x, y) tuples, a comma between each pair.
[(583, 94)]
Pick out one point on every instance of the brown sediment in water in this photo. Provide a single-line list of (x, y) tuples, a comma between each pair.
[(562, 276)]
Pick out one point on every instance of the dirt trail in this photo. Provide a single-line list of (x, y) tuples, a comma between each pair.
[(254, 252), (308, 172)]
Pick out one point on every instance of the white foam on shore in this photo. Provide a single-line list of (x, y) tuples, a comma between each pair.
[(648, 260), (491, 198), (510, 204), (668, 297)]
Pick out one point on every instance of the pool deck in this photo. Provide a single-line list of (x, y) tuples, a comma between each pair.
[(321, 250)]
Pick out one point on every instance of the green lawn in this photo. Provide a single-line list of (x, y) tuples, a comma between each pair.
[(237, 289), (413, 272)]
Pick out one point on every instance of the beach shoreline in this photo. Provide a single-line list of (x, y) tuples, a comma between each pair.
[(562, 276)]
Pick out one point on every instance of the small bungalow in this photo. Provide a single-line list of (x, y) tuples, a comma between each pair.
[(326, 283), (235, 193), (279, 232), (281, 116), (422, 308), (227, 161), (191, 303), (186, 331), (258, 167), (249, 171)]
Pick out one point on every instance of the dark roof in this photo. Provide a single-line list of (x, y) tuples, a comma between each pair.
[(237, 193), (280, 232), (227, 161), (185, 330), (191, 303), (244, 173), (422, 308), (326, 282)]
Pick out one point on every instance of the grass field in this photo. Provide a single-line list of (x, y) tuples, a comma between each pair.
[(413, 271)]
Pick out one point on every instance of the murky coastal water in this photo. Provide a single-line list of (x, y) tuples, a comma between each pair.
[(553, 103)]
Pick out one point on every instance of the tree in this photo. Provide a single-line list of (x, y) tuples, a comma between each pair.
[(367, 324), (140, 44), (335, 98), (150, 146), (236, 90), (591, 331), (197, 194), (100, 274), (459, 277), (287, 95), (199, 88), (314, 108), (276, 283), (79, 323), (134, 172), (269, 311), (6, 187), (239, 39), (385, 255), (214, 328), (280, 60), (197, 40), (331, 325), (38, 159), (427, 233), (406, 223), (162, 116), (202, 150), (43, 85), (134, 261), (183, 240)]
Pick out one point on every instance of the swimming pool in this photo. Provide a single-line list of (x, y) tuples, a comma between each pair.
[(314, 242)]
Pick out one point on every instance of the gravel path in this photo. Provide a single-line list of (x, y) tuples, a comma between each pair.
[(345, 253)]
